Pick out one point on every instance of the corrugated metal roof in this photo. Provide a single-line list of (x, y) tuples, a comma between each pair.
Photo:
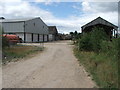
[(52, 30), (16, 20), (99, 20)]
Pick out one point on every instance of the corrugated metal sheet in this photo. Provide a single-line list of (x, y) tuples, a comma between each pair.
[(53, 30), (99, 20), (13, 27), (51, 37), (41, 38), (45, 38), (32, 25), (16, 20), (28, 37), (36, 26), (35, 37)]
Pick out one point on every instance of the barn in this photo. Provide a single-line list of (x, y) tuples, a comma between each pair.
[(53, 33), (29, 29), (110, 29)]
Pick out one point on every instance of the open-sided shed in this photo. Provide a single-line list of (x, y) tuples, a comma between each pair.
[(109, 28)]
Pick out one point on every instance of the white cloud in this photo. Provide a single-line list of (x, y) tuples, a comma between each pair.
[(20, 9), (86, 6), (76, 7), (100, 0), (23, 9), (106, 10), (47, 2), (100, 6)]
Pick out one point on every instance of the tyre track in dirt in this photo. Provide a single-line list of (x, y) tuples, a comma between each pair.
[(55, 67)]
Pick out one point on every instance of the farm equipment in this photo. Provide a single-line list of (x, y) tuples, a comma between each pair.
[(13, 39)]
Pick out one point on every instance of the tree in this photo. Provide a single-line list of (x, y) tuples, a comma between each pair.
[(71, 33), (75, 33)]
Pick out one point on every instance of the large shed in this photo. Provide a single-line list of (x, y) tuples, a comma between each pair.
[(110, 29), (53, 33), (29, 29)]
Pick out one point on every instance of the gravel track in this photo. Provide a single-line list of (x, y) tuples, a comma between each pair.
[(55, 67)]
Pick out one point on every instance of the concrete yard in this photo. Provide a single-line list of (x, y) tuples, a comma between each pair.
[(55, 67)]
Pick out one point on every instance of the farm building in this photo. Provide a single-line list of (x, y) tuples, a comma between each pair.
[(110, 29), (29, 30), (53, 33)]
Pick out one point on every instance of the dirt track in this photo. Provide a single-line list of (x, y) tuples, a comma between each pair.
[(56, 67)]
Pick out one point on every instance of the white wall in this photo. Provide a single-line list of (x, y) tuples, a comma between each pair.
[(28, 37), (41, 38), (31, 26), (50, 37), (45, 38), (35, 37)]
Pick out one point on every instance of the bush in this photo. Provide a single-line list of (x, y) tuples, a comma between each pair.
[(102, 66), (111, 49), (92, 41), (97, 36), (118, 46), (105, 46), (103, 60), (5, 42), (85, 43)]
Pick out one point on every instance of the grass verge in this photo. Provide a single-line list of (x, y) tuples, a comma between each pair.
[(103, 69), (19, 51)]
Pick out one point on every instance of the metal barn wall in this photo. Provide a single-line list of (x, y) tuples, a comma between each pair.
[(53, 37), (40, 38), (35, 37), (50, 37), (26, 28), (36, 26), (28, 37), (45, 38), (13, 27)]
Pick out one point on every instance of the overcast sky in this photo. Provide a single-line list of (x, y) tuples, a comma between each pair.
[(67, 16)]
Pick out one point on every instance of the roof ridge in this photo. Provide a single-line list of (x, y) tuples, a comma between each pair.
[(18, 19), (99, 18)]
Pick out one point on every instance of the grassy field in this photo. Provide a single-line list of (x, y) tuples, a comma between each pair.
[(19, 51), (103, 69)]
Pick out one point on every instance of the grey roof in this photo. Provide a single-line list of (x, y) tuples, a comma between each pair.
[(17, 20), (99, 20), (52, 30)]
